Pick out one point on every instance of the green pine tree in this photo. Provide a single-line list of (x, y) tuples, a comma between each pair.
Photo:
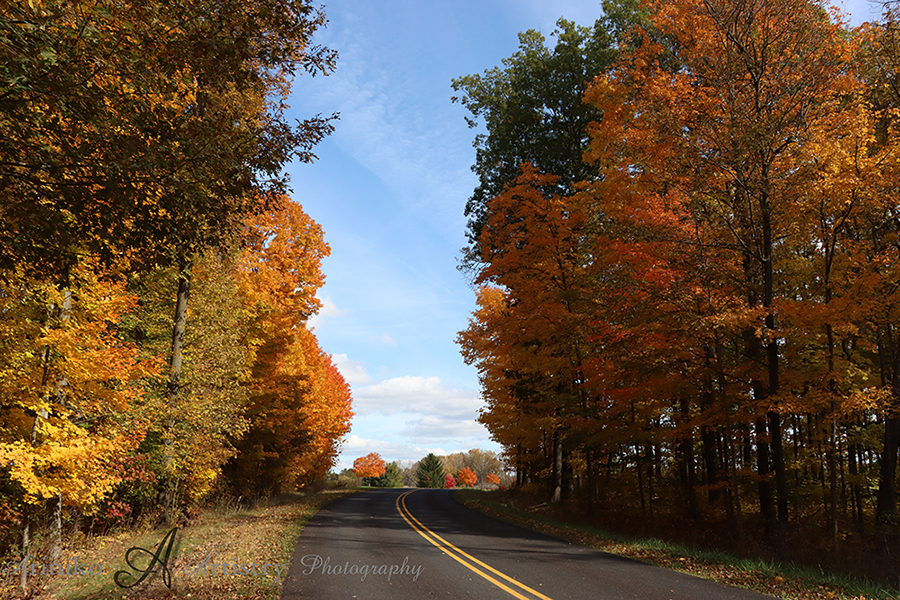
[(430, 473), (390, 479)]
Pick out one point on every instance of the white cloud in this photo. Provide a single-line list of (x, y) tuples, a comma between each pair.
[(384, 338), (329, 309), (355, 446), (416, 394), (354, 371), (432, 427)]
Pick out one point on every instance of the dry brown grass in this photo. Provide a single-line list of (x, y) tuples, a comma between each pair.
[(262, 536)]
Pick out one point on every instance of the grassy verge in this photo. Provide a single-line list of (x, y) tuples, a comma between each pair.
[(780, 580), (231, 552)]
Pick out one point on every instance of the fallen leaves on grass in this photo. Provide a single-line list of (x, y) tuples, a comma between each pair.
[(208, 560)]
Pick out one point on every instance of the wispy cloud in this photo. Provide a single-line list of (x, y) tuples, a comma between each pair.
[(356, 446), (396, 125), (432, 427), (416, 394), (354, 371), (384, 338), (329, 310)]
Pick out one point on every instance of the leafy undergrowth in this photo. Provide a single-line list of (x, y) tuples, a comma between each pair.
[(229, 553), (766, 577)]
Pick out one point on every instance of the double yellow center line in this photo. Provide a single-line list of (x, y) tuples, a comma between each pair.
[(463, 558)]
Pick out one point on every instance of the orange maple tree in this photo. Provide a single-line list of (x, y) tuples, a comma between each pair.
[(300, 406), (370, 465), (466, 477)]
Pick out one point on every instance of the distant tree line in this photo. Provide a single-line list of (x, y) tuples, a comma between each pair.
[(473, 468)]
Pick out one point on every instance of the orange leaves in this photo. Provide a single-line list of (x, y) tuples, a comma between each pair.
[(299, 410), (300, 405), (467, 477), (526, 338), (529, 231), (370, 465), (735, 160), (281, 263)]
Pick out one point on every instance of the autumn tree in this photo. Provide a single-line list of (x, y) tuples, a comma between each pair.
[(481, 462), (726, 129), (114, 147), (874, 229), (370, 465), (113, 144), (69, 384), (532, 248), (466, 477), (713, 306), (299, 406)]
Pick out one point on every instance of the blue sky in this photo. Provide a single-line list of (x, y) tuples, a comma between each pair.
[(389, 190)]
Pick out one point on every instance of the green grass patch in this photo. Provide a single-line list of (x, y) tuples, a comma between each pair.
[(786, 581)]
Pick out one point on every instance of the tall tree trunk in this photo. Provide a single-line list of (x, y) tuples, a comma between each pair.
[(711, 460), (886, 507), (886, 500), (62, 312), (55, 504), (173, 386), (855, 492), (591, 480), (779, 466), (54, 522), (556, 486), (687, 466), (754, 354), (766, 499), (520, 466), (707, 433), (26, 549), (640, 474), (649, 455), (772, 352)]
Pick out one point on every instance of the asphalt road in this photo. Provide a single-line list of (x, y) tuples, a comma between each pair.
[(396, 544)]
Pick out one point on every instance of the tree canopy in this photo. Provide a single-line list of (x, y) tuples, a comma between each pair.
[(142, 155), (700, 320)]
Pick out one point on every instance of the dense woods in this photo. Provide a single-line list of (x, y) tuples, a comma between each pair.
[(705, 322), (155, 278)]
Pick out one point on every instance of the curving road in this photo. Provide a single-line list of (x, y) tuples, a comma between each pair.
[(396, 544)]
